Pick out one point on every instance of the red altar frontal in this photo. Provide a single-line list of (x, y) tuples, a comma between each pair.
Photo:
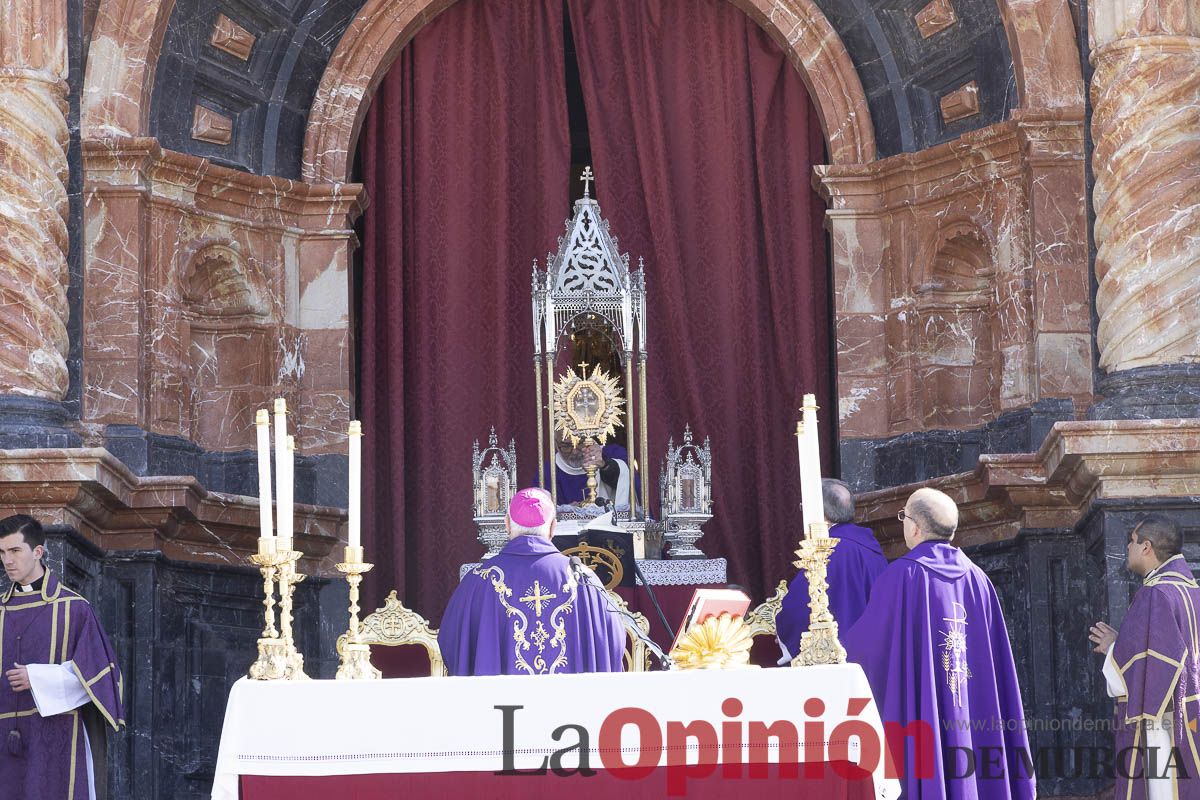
[(699, 734)]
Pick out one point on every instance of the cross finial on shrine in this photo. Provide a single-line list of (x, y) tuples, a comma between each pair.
[(587, 177)]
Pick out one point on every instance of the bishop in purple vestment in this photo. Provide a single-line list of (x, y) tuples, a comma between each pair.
[(935, 650), (59, 670), (1152, 668), (855, 564), (526, 610)]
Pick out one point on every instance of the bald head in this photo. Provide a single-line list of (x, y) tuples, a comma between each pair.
[(933, 512)]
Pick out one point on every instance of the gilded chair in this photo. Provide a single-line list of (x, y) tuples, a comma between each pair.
[(761, 619), (394, 625)]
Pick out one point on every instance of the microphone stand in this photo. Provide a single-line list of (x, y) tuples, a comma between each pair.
[(585, 575)]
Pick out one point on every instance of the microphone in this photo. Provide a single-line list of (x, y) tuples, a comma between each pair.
[(585, 575)]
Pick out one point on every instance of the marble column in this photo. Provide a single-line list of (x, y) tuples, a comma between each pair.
[(33, 224), (1146, 129)]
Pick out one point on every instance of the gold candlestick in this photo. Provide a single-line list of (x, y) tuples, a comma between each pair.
[(355, 656), (819, 644), (288, 578), (272, 662)]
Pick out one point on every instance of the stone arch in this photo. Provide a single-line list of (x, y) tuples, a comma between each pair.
[(1046, 59), (382, 29), (955, 333), (122, 57)]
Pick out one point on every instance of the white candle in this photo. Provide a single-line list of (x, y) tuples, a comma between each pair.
[(810, 469), (262, 424), (283, 475), (354, 499)]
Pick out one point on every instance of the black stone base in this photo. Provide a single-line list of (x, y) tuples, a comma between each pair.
[(183, 634), (868, 464), (1169, 392), (32, 422), (320, 480)]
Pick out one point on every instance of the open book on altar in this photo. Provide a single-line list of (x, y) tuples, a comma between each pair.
[(710, 603)]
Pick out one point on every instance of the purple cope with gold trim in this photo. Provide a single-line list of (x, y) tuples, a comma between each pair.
[(523, 612), (45, 757), (1157, 654)]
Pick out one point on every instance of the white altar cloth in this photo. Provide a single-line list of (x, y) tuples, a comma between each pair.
[(428, 725)]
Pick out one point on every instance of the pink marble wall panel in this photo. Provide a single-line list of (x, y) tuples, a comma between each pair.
[(216, 290)]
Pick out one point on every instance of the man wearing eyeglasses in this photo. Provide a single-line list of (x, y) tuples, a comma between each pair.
[(934, 647)]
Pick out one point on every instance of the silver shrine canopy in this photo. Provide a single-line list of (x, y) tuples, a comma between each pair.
[(587, 285)]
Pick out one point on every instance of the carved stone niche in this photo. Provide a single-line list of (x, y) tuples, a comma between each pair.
[(229, 332), (954, 342)]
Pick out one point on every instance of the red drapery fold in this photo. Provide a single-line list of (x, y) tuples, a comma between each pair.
[(465, 158), (703, 142)]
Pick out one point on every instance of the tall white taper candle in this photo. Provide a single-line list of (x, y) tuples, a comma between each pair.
[(283, 476), (810, 468), (262, 424), (354, 500)]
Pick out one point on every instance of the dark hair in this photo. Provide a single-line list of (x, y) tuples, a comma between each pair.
[(25, 525), (1162, 533), (838, 501)]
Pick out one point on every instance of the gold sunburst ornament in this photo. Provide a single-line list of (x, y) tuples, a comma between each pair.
[(587, 407), (720, 642)]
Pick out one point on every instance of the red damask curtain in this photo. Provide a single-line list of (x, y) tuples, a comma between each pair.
[(703, 141), (465, 158)]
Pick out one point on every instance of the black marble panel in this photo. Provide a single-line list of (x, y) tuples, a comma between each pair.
[(75, 61), (183, 634), (868, 464), (1046, 591), (27, 422), (320, 480), (1167, 392)]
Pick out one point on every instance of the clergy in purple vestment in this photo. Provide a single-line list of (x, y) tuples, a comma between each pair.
[(62, 684), (612, 477), (526, 610), (855, 564), (1152, 668), (935, 649)]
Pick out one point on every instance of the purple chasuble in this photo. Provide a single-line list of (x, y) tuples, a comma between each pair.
[(44, 757), (1157, 654), (573, 488), (855, 564), (933, 644), (523, 612)]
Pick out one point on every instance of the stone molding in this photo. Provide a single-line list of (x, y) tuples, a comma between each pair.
[(1079, 464), (116, 510)]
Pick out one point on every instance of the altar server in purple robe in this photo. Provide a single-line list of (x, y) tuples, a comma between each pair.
[(1152, 668), (933, 644), (59, 675), (853, 567), (528, 610)]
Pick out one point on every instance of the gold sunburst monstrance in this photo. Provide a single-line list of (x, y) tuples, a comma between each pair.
[(587, 408)]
